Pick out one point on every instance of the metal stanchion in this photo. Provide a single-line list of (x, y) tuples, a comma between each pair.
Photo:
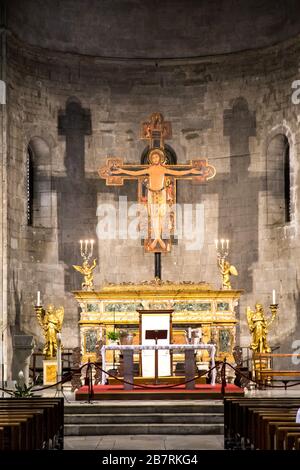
[(223, 377)]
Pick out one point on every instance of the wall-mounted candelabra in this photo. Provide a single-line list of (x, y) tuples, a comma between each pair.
[(86, 269), (226, 269)]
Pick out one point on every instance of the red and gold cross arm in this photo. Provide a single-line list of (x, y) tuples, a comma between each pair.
[(106, 172), (198, 170)]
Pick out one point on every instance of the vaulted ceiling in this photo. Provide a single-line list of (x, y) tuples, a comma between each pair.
[(153, 28)]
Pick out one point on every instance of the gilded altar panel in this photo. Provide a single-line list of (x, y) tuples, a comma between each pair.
[(195, 305)]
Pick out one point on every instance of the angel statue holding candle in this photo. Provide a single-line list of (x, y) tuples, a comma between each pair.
[(226, 270), (87, 271), (51, 320), (258, 327)]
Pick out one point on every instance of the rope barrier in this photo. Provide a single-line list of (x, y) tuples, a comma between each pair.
[(89, 365), (157, 387)]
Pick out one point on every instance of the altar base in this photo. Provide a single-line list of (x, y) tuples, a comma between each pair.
[(116, 392), (170, 380)]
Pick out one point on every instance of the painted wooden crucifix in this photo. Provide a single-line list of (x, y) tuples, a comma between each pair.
[(157, 182)]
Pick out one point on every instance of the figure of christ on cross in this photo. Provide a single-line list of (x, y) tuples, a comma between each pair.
[(157, 172)]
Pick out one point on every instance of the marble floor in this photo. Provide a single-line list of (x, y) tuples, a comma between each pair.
[(144, 442)]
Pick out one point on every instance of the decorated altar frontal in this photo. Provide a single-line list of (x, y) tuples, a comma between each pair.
[(194, 305), (173, 347)]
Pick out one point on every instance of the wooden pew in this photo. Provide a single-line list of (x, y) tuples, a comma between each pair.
[(290, 440), (266, 437), (36, 434), (1, 438), (280, 429), (15, 433), (256, 431), (240, 415), (246, 419), (41, 422), (48, 427)]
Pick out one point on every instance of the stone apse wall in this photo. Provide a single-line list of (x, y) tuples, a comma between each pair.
[(72, 111)]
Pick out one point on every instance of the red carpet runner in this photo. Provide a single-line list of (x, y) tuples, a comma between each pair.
[(116, 392)]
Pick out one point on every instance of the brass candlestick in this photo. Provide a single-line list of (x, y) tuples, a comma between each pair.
[(226, 269), (86, 269)]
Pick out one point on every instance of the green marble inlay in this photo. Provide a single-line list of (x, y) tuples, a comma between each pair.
[(92, 307), (160, 305), (192, 306), (122, 307), (224, 341), (90, 341), (223, 307)]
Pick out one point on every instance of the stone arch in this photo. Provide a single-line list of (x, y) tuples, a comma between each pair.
[(279, 178), (38, 184)]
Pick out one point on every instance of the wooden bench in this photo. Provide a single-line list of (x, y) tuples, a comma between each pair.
[(257, 431), (297, 444), (236, 412), (37, 429), (269, 423), (247, 421), (290, 439), (32, 423), (1, 438)]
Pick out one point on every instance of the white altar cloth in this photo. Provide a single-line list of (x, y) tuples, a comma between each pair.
[(138, 347)]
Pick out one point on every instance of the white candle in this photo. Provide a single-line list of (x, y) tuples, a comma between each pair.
[(273, 297), (216, 243), (222, 243), (189, 332), (59, 362), (38, 300), (227, 244), (81, 245), (86, 245)]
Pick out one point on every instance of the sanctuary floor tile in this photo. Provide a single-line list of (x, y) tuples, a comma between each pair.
[(144, 442)]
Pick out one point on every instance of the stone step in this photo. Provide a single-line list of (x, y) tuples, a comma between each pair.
[(137, 429), (107, 418), (136, 407)]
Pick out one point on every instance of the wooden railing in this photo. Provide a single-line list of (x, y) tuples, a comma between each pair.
[(265, 371)]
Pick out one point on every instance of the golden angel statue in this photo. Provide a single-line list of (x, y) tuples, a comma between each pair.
[(51, 320), (87, 271), (258, 327), (226, 270)]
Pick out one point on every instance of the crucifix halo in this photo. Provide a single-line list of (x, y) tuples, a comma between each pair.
[(160, 153)]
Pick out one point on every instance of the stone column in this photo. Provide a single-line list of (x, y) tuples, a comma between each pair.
[(4, 373), (128, 368), (189, 368), (23, 349)]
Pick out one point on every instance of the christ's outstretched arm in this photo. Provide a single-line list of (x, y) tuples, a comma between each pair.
[(193, 171), (119, 171)]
